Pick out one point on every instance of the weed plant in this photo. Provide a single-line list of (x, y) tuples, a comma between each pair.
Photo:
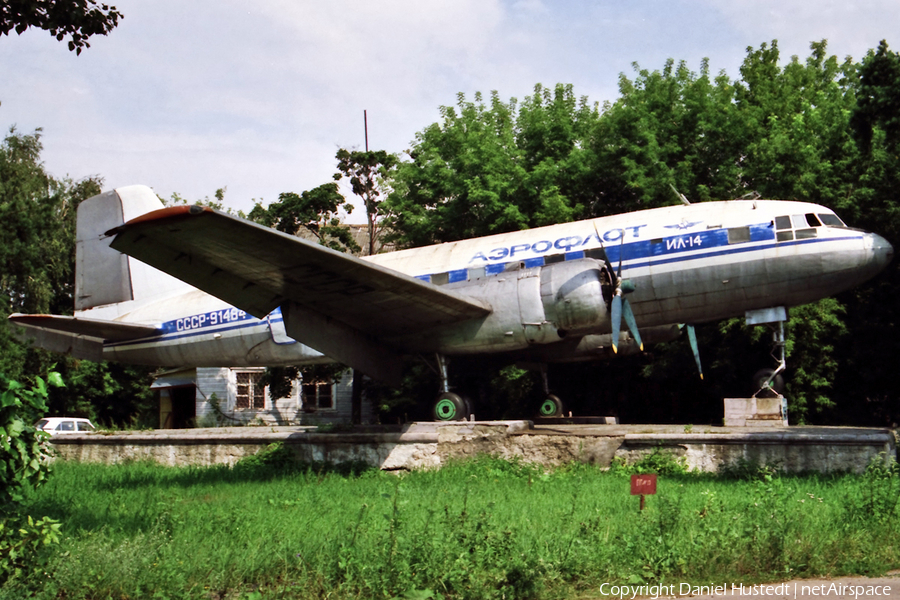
[(484, 528)]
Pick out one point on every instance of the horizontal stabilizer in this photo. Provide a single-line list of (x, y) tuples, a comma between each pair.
[(111, 331), (79, 346)]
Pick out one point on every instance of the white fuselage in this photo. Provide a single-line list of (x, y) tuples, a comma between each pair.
[(547, 288)]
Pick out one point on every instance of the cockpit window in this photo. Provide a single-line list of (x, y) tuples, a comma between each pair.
[(799, 221), (800, 227), (831, 220)]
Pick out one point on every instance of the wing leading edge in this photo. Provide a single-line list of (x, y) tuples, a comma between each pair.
[(343, 306)]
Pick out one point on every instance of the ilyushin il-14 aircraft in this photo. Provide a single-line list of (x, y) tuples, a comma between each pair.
[(211, 289)]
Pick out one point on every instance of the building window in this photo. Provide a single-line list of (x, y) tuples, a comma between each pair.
[(250, 394), (318, 395)]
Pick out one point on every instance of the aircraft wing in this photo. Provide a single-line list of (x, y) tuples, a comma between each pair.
[(338, 304)]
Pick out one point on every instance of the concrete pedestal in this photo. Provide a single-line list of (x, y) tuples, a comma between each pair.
[(756, 412)]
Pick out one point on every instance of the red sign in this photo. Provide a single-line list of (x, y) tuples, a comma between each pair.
[(643, 484)]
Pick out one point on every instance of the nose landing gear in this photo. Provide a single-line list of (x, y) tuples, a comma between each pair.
[(769, 383)]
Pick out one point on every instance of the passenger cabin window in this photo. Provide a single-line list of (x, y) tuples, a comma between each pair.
[(738, 235)]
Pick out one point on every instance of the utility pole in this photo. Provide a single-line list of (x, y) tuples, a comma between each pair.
[(356, 390)]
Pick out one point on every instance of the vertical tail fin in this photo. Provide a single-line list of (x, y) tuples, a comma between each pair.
[(105, 276)]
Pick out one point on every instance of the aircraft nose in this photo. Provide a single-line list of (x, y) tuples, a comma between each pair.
[(882, 251)]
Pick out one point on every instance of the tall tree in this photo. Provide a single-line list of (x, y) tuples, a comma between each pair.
[(668, 128), (37, 274), (76, 19), (366, 171), (878, 103), (493, 167), (315, 212)]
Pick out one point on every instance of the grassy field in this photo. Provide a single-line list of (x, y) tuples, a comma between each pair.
[(270, 528)]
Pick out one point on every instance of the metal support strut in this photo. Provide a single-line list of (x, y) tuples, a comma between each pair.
[(766, 379), (442, 372), (778, 353)]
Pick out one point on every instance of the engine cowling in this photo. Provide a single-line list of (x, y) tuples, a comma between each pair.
[(575, 295)]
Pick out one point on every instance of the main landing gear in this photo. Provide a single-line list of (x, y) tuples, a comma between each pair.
[(551, 406), (448, 406)]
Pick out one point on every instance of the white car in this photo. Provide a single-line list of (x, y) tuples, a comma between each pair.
[(57, 425)]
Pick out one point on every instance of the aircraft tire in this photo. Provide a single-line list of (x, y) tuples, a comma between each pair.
[(761, 377), (449, 407), (552, 406)]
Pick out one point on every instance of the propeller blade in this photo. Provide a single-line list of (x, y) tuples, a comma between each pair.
[(616, 317), (692, 338), (632, 324)]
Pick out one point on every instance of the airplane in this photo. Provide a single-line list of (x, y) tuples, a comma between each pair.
[(189, 285)]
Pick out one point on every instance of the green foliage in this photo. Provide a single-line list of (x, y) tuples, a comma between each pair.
[(217, 202), (76, 19), (813, 333), (668, 128), (22, 546), (314, 211), (276, 456), (367, 171), (486, 169), (878, 97), (876, 495), (37, 259), (24, 465), (658, 460), (24, 451)]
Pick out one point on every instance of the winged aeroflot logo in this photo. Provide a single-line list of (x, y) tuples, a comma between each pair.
[(683, 225)]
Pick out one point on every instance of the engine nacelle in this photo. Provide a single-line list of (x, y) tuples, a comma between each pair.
[(575, 295), (531, 306)]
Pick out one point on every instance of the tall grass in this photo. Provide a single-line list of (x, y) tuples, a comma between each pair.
[(479, 529)]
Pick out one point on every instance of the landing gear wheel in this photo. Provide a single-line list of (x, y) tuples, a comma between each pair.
[(775, 387), (552, 406), (449, 407)]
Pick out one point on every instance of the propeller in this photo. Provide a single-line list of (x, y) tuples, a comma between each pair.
[(692, 338), (620, 308)]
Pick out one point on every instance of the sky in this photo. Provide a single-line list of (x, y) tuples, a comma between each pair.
[(258, 96)]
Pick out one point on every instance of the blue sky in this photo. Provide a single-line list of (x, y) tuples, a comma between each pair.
[(257, 96)]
